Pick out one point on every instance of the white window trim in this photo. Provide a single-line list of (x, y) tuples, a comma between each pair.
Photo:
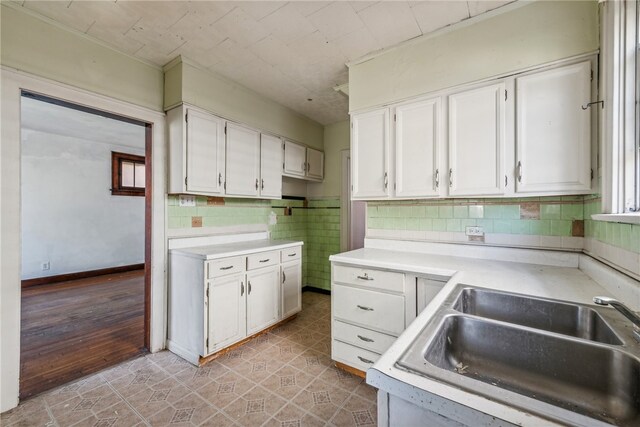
[(619, 129)]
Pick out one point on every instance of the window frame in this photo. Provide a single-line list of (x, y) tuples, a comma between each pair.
[(117, 189)]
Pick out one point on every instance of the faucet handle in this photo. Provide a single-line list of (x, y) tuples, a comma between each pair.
[(604, 300)]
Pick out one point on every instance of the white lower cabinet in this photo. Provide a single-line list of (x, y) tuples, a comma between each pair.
[(216, 303)]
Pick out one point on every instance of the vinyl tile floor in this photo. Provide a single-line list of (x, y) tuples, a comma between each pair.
[(282, 378)]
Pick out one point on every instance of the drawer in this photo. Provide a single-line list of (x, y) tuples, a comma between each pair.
[(291, 254), (369, 277), (353, 356), (373, 310), (224, 266), (361, 337), (263, 259)]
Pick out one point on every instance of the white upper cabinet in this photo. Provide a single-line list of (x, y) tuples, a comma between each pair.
[(270, 167), (417, 147), (370, 154), (315, 164), (197, 152), (243, 161), (553, 132), (295, 158), (477, 141)]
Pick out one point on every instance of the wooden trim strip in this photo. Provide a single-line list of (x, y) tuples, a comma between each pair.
[(351, 370), (79, 275)]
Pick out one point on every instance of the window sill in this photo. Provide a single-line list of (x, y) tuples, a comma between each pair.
[(627, 218)]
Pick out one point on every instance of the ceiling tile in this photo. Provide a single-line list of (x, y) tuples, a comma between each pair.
[(240, 27), (306, 8), (287, 24), (360, 5), (336, 20), (260, 9), (432, 15), (63, 12), (390, 22), (478, 7), (357, 44)]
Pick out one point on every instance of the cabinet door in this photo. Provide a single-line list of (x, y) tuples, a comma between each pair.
[(417, 149), (315, 164), (243, 161), (263, 298), (291, 288), (370, 154), (294, 159), (205, 153), (553, 132), (476, 141), (227, 311), (270, 167)]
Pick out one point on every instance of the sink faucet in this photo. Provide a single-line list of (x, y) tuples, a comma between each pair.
[(626, 312)]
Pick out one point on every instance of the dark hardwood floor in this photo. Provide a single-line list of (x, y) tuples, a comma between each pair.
[(71, 329)]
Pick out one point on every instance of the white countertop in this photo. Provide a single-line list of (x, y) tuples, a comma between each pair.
[(216, 251), (557, 282)]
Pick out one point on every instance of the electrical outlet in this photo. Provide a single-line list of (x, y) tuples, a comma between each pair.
[(46, 266), (187, 201), (474, 231)]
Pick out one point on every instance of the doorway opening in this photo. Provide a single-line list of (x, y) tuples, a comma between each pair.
[(86, 240)]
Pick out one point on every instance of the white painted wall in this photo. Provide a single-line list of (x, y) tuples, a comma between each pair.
[(69, 217)]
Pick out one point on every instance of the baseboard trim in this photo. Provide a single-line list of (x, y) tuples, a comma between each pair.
[(316, 290), (79, 275)]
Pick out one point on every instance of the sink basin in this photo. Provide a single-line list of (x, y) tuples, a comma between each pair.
[(554, 316), (576, 365)]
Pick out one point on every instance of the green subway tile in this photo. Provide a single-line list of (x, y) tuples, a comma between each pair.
[(635, 238), (492, 211), (439, 224), (625, 236), (510, 212), (550, 211), (445, 211), (520, 227), (468, 222), (560, 227), (417, 211), (572, 211), (426, 224), (413, 223), (540, 227), (185, 222), (502, 226), (486, 224), (460, 212), (476, 211), (174, 222), (454, 225), (431, 211)]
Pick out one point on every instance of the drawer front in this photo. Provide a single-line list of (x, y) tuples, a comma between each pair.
[(361, 337), (263, 259), (291, 254), (353, 356), (371, 278), (371, 309), (224, 266)]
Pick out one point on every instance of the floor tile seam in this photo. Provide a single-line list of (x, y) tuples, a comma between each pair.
[(135, 411), (50, 412)]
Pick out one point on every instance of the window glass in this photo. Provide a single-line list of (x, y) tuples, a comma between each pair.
[(127, 174), (139, 175)]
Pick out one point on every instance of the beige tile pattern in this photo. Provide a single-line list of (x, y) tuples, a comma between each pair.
[(280, 379)]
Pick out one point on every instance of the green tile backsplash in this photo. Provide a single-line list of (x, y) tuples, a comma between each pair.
[(315, 222), (625, 236)]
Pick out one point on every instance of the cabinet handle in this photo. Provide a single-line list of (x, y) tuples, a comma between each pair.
[(284, 277), (386, 180), (437, 178), (229, 267), (264, 260), (256, 183), (262, 186), (241, 288), (365, 277), (361, 307), (293, 254), (450, 177), (365, 339), (519, 171), (506, 181), (366, 360), (249, 290), (304, 166), (220, 179)]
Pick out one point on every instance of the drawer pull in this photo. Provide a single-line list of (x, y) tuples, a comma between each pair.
[(365, 339), (365, 360), (229, 267), (361, 307), (293, 254), (365, 277), (264, 260)]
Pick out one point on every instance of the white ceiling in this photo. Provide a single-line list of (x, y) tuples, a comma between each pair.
[(287, 51)]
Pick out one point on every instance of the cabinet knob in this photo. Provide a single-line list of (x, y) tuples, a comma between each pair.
[(519, 171)]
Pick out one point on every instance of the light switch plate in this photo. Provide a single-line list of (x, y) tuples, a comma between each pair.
[(187, 201)]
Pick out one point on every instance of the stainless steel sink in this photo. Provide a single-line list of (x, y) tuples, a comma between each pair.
[(580, 368), (554, 316)]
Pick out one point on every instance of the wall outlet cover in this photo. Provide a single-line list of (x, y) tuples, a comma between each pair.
[(46, 266), (474, 231), (187, 201)]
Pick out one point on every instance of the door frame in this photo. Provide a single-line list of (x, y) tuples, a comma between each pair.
[(12, 83)]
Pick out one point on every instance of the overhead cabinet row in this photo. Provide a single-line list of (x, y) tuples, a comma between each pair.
[(211, 156), (526, 135)]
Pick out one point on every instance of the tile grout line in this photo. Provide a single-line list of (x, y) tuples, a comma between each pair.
[(135, 411)]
